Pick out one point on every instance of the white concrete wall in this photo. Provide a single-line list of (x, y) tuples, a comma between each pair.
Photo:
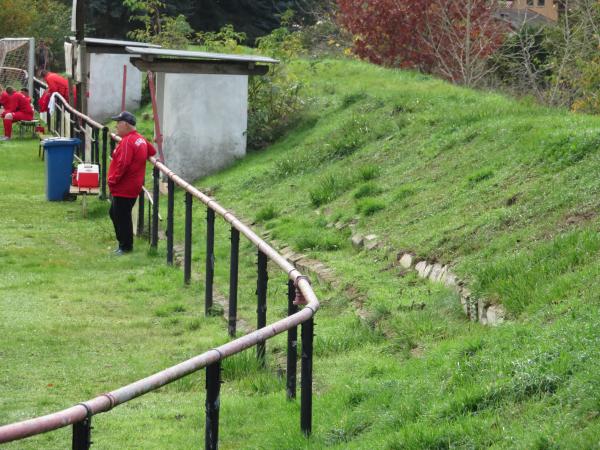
[(106, 85), (203, 121)]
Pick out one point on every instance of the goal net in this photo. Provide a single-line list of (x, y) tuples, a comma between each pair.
[(17, 63)]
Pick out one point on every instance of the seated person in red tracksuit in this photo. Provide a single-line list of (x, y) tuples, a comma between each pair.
[(17, 106), (126, 178)]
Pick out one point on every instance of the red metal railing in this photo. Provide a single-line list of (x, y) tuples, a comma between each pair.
[(299, 293)]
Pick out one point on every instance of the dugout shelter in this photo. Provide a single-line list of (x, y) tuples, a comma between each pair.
[(202, 102), (106, 62)]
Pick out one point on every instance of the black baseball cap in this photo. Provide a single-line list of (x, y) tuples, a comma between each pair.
[(125, 116)]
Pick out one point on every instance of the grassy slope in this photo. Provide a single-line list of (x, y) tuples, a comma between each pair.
[(505, 191)]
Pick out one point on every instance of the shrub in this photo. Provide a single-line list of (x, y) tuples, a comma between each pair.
[(226, 39), (367, 190), (347, 139), (369, 206), (274, 101), (368, 172), (403, 193), (329, 188), (158, 28), (266, 213), (318, 239), (479, 176)]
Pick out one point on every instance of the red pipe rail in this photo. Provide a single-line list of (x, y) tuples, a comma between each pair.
[(107, 401), (83, 411)]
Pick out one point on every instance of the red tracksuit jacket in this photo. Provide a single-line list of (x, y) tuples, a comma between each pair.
[(128, 165), (56, 83), (8, 101)]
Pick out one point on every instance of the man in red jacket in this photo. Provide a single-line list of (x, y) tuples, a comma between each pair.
[(56, 83), (126, 177), (17, 106)]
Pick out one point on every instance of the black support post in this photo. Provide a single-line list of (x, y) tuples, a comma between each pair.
[(306, 381), (141, 212), (261, 309), (82, 434), (213, 388), (210, 260), (95, 146), (155, 199), (292, 345), (170, 210), (104, 162), (233, 280), (187, 257)]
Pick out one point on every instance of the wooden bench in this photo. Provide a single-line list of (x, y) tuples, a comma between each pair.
[(41, 137), (27, 127)]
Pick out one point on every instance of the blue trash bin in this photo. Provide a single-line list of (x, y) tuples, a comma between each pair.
[(59, 162)]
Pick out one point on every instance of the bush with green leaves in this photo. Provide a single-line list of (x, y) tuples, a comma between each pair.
[(47, 20), (224, 40), (368, 206), (274, 98), (158, 27)]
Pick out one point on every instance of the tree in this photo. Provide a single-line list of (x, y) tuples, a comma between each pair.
[(558, 64), (448, 37), (461, 36), (15, 20), (574, 63), (387, 32), (158, 28), (41, 19)]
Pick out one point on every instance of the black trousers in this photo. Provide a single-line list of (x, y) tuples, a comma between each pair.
[(120, 214)]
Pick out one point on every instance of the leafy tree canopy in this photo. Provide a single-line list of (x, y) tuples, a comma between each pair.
[(110, 18)]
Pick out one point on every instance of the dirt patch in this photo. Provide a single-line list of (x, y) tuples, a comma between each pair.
[(579, 217), (417, 352)]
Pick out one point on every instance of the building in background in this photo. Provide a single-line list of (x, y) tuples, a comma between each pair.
[(529, 12), (546, 8)]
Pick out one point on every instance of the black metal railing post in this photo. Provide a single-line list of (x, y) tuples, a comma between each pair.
[(306, 381), (58, 121), (49, 116), (233, 281), (82, 434), (95, 146), (292, 345), (170, 210), (213, 388), (210, 260), (187, 253), (155, 198), (141, 212), (261, 309), (104, 161)]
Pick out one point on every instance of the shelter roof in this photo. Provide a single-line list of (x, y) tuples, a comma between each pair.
[(111, 46), (116, 43), (184, 61)]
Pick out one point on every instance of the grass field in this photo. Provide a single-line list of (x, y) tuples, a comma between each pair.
[(505, 191)]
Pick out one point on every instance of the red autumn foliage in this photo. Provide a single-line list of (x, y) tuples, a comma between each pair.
[(387, 32), (448, 37)]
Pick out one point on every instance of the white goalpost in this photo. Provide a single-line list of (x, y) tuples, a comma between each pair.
[(17, 63)]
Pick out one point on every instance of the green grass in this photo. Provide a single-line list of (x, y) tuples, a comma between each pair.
[(505, 191)]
